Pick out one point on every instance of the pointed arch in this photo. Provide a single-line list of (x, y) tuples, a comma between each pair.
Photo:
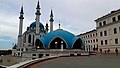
[(57, 42), (77, 44), (29, 38), (39, 44)]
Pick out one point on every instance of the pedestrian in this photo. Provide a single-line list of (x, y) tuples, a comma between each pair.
[(105, 50), (116, 50), (100, 50), (108, 50)]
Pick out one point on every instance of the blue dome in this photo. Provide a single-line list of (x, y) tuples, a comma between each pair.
[(68, 37), (34, 25)]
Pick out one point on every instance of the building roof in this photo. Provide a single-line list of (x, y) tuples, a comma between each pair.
[(107, 15), (68, 37)]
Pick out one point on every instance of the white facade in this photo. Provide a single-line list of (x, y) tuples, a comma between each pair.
[(90, 38), (108, 29), (26, 40)]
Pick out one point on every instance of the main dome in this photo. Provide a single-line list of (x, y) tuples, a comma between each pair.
[(66, 36), (34, 25)]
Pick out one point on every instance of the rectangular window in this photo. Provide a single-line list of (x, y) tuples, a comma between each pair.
[(104, 22), (100, 24), (119, 29), (118, 17), (96, 40), (101, 42), (100, 34), (105, 33), (115, 30), (105, 42), (113, 19), (93, 35), (116, 41), (96, 34), (33, 54)]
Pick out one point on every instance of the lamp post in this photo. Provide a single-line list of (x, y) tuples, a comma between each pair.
[(61, 45), (56, 45)]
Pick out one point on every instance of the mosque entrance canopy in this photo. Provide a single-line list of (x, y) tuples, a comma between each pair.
[(39, 44), (77, 44), (57, 43)]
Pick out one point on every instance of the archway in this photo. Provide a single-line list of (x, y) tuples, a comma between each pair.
[(57, 42), (39, 44), (29, 38), (77, 44)]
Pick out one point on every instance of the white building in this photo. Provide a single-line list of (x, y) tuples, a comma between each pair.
[(108, 29), (90, 38)]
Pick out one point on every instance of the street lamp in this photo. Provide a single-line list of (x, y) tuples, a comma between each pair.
[(56, 45)]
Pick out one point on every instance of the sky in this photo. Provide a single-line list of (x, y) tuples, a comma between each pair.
[(75, 16)]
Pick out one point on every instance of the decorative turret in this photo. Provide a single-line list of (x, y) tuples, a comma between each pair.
[(51, 21), (21, 21), (37, 18), (47, 27)]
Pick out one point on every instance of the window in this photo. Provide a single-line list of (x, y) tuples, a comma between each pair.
[(100, 24), (105, 42), (104, 22), (101, 42), (118, 17), (100, 34), (113, 19), (93, 40), (115, 30), (119, 29), (88, 36), (96, 40), (33, 54), (116, 41), (29, 38), (96, 34), (105, 33), (93, 35)]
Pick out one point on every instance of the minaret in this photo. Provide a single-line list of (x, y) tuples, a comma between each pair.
[(20, 40), (37, 18), (51, 21), (21, 21)]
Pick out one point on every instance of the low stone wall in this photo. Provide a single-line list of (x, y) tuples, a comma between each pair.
[(27, 63)]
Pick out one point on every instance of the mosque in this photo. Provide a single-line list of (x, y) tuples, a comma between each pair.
[(36, 41)]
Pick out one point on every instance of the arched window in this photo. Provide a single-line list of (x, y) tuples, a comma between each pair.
[(77, 44), (57, 42), (33, 40), (39, 44), (29, 38)]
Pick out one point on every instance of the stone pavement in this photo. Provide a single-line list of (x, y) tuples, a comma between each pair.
[(8, 60), (94, 61)]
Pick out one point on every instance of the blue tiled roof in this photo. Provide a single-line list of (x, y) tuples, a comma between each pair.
[(68, 37), (34, 25)]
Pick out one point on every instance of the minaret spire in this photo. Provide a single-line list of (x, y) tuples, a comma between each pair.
[(20, 27), (21, 21), (38, 18), (59, 24), (51, 21)]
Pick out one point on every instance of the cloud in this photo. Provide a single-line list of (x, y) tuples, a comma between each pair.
[(76, 16)]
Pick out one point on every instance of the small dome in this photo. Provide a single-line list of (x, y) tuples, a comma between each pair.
[(34, 25)]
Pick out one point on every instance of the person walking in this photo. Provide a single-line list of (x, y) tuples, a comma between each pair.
[(116, 50)]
